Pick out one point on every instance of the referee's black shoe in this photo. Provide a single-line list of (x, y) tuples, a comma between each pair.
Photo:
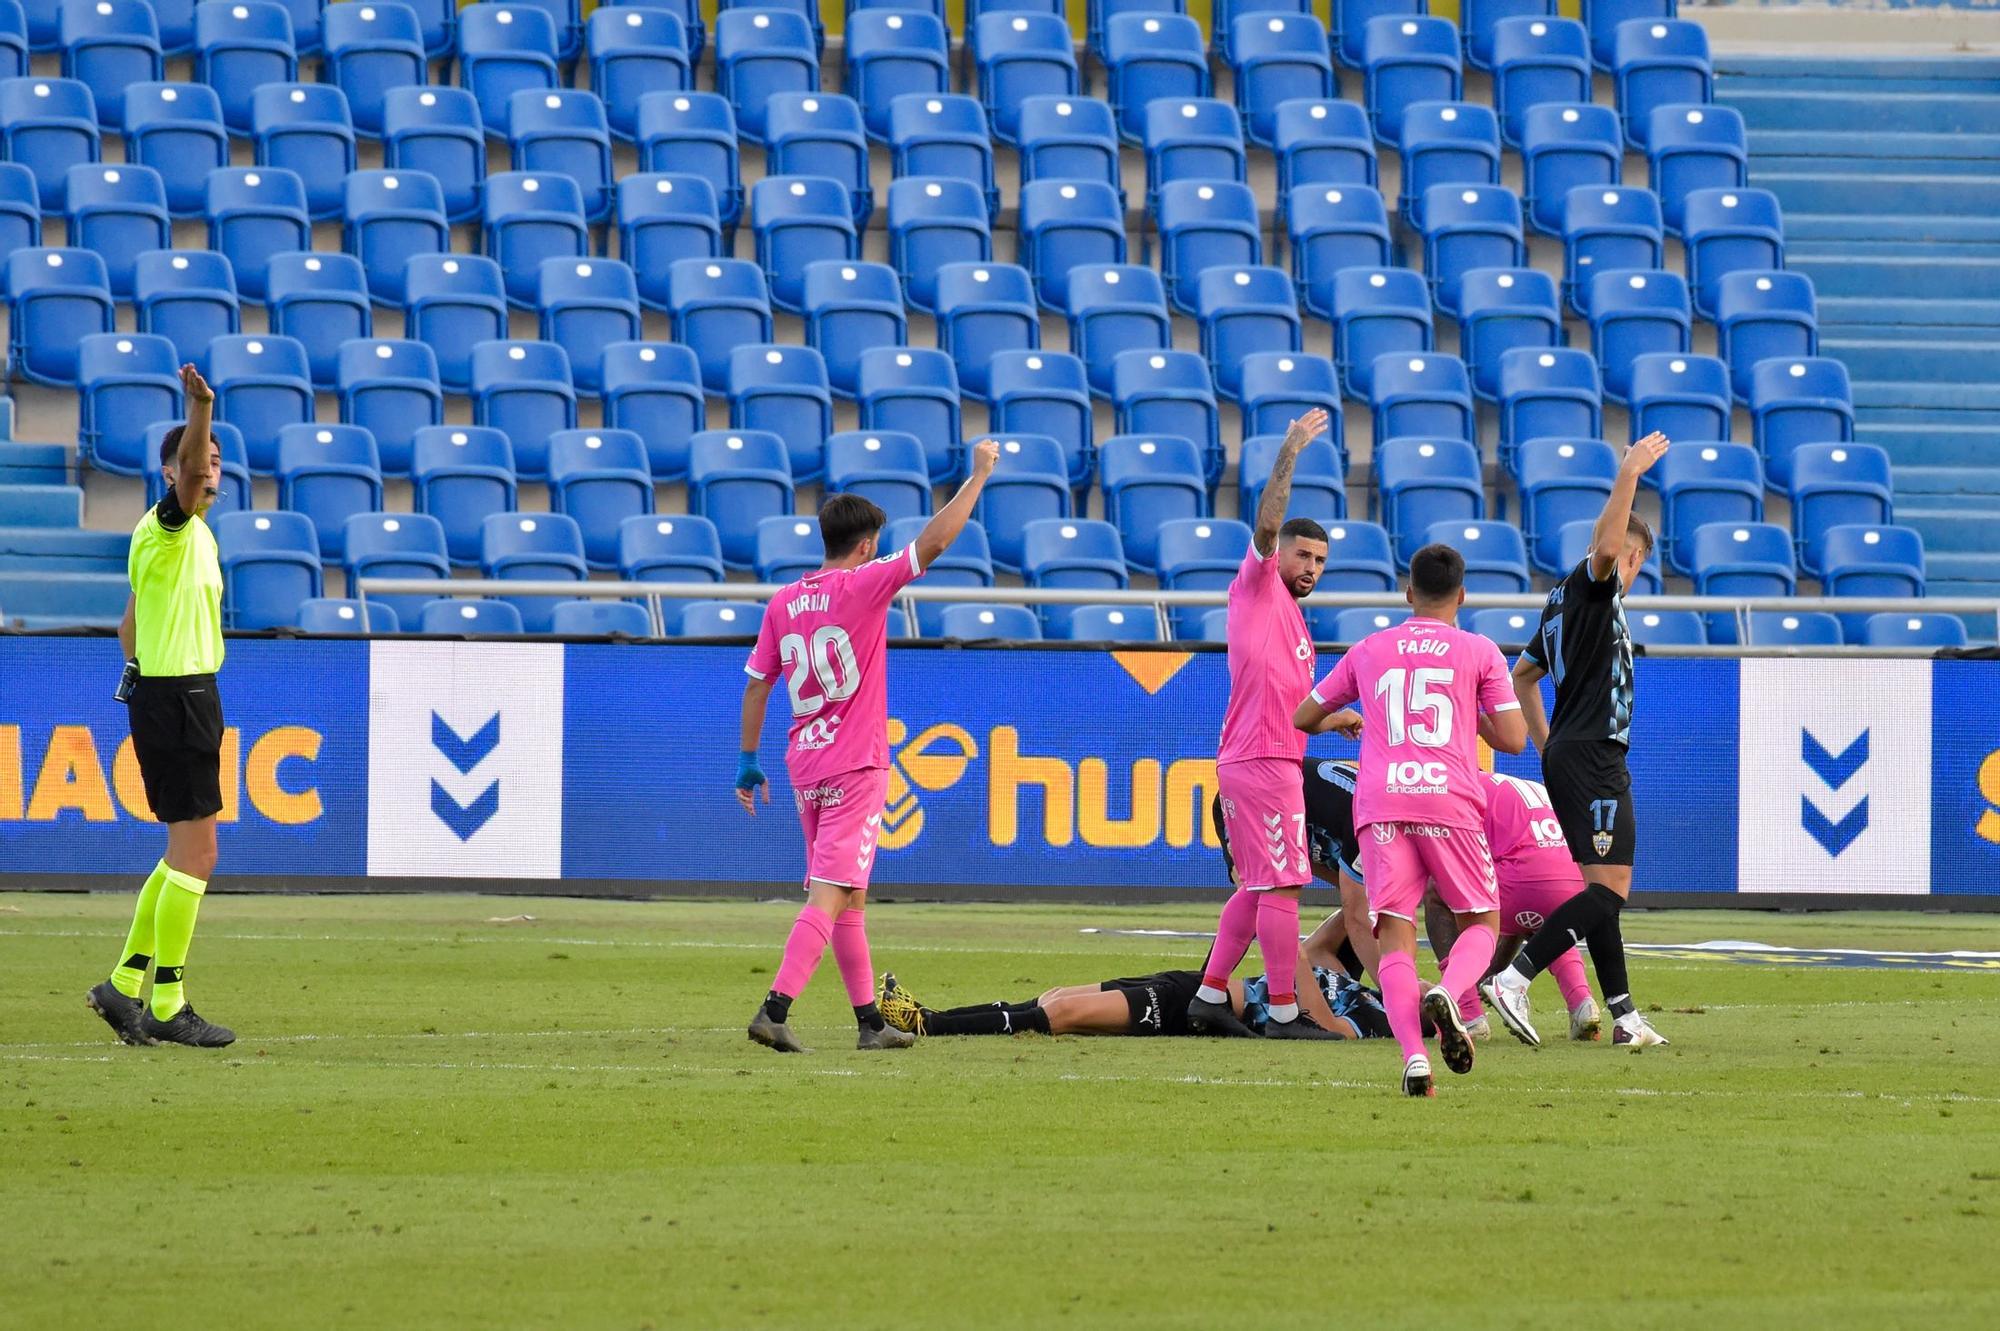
[(1301, 1027), (125, 1016), (189, 1028), (1206, 1018)]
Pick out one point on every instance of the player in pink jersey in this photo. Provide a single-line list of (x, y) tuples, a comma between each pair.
[(1257, 766), (828, 634), (1420, 803)]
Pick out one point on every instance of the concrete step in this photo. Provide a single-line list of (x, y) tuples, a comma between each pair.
[(32, 464), (1847, 163), (1918, 447), (1959, 320), (63, 550), (1967, 406), (65, 597), (1919, 278), (1768, 106), (1866, 233), (1909, 195), (41, 506), (1834, 145), (1984, 505), (1953, 530), (1958, 573), (1936, 362), (1872, 76)]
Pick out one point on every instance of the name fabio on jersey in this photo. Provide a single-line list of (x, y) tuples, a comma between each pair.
[(1422, 647)]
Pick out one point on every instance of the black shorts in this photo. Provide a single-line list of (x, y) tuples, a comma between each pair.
[(177, 738), (1159, 1003), (1591, 790)]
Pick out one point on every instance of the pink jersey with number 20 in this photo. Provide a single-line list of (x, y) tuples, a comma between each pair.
[(829, 635), (1421, 686)]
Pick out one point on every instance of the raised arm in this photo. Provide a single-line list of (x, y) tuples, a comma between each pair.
[(1528, 688), (1278, 490), (191, 462), (949, 521), (1607, 538)]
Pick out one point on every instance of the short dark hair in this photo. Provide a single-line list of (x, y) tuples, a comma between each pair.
[(1638, 529), (846, 520), (1301, 529), (170, 446), (1436, 572)]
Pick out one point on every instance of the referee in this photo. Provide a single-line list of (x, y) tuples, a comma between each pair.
[(172, 637), (1583, 642)]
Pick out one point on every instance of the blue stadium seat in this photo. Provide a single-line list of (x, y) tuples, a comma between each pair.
[(1446, 143), (1496, 556), (238, 48), (399, 545), (894, 53), (1603, 229), (1510, 630), (690, 15), (1191, 138), (1562, 481), (13, 40), (307, 129), (601, 478), (371, 48), (1169, 393), (1067, 138), (588, 305), (1277, 58), (1404, 60), (325, 614), (943, 136), (1837, 485), (1377, 311), (721, 619), (1537, 61), (1795, 402), (1500, 311), (1663, 63), (934, 222), (1763, 316), (1047, 393), (568, 18), (125, 381), (1913, 630), (636, 50), (1667, 628), (758, 54), (1152, 57), (1573, 540), (329, 473), (984, 309), (1702, 483), (1076, 554), (1726, 231), (1857, 559), (1547, 393), (118, 211), (1686, 398), (524, 390), (461, 475), (1318, 141), (1421, 482), (1632, 312), (1334, 228), (533, 547), (694, 134), (390, 217), (784, 390), (915, 391), (1359, 558), (306, 26), (1149, 480), (600, 619), (56, 297), (1566, 147), (187, 297), (1602, 18), (820, 134), (654, 390), (527, 218), (1468, 227), (1243, 312), (1112, 623), (391, 387), (977, 623), (662, 219), (564, 132), (438, 21), (798, 221), (1691, 148), (1030, 481), (1223, 15), (788, 548), (1064, 225), (270, 563), (109, 46), (967, 563), (1793, 628), (20, 208), (1114, 309), (255, 212), (438, 131), (1741, 559), (1427, 396), (736, 479), (1351, 626), (680, 547), (1097, 13), (886, 466), (1319, 485), (322, 300), (48, 126), (236, 492), (1278, 387), (1200, 555), (1019, 56), (1202, 225), (453, 302), (176, 129), (851, 308)]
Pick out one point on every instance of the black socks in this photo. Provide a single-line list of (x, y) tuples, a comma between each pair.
[(869, 1017), (777, 1007), (988, 1019)]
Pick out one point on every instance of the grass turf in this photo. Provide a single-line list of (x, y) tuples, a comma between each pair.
[(436, 1119)]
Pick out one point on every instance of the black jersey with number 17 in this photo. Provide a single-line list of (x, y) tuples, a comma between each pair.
[(1584, 646)]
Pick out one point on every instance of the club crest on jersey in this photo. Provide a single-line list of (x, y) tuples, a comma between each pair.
[(1601, 842), (1304, 651)]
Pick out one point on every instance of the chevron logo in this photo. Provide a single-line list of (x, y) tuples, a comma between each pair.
[(1834, 837), (465, 819), (1835, 770), (867, 852), (465, 753)]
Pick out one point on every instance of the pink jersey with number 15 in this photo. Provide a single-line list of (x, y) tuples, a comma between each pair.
[(1421, 686), (829, 633)]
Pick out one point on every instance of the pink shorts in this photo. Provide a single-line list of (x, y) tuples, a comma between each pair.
[(1525, 905), (841, 815), (1264, 817), (1399, 860)]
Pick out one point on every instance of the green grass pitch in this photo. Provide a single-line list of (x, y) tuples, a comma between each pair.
[(436, 1119)]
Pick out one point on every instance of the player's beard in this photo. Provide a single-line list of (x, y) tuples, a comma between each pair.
[(1297, 593)]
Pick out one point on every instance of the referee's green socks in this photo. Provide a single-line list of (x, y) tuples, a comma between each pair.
[(129, 976), (173, 929)]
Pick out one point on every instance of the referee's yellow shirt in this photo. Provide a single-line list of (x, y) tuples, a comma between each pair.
[(176, 592)]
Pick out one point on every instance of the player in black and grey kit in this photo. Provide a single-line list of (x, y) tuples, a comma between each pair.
[(1584, 645)]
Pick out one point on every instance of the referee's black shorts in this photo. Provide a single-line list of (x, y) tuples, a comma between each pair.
[(1591, 789), (177, 737)]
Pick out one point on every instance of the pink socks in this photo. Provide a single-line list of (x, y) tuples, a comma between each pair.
[(1470, 956), (1232, 939), (850, 951), (807, 944), (1398, 975), (1278, 941), (1568, 970)]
